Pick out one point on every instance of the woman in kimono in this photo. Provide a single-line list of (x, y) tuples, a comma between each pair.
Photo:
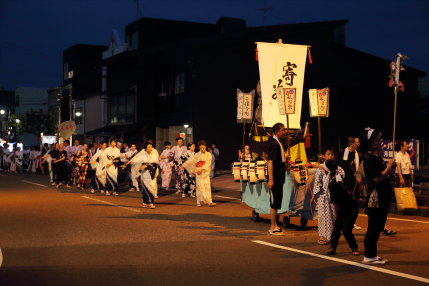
[(131, 173), (321, 195), (19, 157), (111, 161), (166, 166), (149, 161), (200, 165), (12, 160), (6, 154), (33, 159), (189, 185), (48, 159), (82, 160), (134, 163), (98, 181)]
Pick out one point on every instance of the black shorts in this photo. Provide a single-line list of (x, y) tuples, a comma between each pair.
[(276, 196)]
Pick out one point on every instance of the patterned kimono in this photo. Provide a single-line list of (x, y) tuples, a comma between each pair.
[(99, 180), (166, 168), (203, 187), (326, 211), (177, 152), (189, 185), (149, 175), (82, 161), (111, 156)]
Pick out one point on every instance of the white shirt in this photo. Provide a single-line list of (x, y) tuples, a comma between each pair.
[(281, 148), (405, 161)]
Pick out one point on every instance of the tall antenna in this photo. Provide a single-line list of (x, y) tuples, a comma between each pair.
[(265, 11)]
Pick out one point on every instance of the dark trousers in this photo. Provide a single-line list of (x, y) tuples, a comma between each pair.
[(376, 222), (61, 172), (344, 223)]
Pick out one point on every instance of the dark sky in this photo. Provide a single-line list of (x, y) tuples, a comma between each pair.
[(33, 33)]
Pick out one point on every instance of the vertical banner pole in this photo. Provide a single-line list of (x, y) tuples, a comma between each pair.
[(320, 134), (394, 121), (287, 134), (244, 133)]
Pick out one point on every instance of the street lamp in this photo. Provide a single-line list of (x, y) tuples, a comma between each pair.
[(78, 114), (17, 120), (186, 126), (2, 111)]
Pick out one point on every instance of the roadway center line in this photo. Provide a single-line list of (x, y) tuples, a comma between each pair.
[(108, 203), (40, 185), (402, 219), (227, 197), (361, 265)]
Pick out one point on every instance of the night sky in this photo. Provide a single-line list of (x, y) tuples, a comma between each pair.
[(33, 33)]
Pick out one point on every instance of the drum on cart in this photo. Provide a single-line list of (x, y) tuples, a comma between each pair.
[(261, 171), (236, 171), (244, 171), (252, 173)]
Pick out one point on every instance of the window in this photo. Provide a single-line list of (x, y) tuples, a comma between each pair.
[(121, 109), (179, 84), (68, 74)]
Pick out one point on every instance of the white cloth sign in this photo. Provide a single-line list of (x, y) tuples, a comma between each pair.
[(281, 65)]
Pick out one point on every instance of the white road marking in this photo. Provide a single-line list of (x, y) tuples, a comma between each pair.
[(402, 219), (1, 257), (227, 198), (108, 203), (40, 185), (374, 268)]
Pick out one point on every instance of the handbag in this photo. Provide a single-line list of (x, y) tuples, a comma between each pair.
[(373, 200), (405, 199)]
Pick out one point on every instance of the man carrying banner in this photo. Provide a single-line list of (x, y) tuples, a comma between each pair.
[(276, 175)]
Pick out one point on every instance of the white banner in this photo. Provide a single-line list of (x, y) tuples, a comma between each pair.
[(319, 102), (281, 65), (245, 106)]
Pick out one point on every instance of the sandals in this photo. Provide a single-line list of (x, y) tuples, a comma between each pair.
[(278, 231), (388, 232), (322, 242), (356, 252), (331, 251)]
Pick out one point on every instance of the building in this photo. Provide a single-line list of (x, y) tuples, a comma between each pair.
[(172, 74), (81, 90)]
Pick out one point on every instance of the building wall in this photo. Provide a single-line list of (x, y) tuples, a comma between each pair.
[(31, 98), (94, 106)]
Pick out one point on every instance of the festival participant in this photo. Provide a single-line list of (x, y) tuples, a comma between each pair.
[(346, 208), (61, 167), (34, 154), (325, 210), (276, 175), (166, 169), (111, 160), (200, 165), (216, 154), (73, 150), (12, 160), (47, 158), (149, 160), (213, 165), (132, 171), (98, 181), (19, 156), (189, 179), (348, 160), (405, 176), (379, 193), (54, 154), (82, 160), (247, 155), (6, 160), (177, 152)]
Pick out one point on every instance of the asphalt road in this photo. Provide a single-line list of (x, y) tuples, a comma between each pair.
[(70, 237)]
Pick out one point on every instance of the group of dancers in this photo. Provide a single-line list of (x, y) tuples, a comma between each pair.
[(17, 160), (101, 166)]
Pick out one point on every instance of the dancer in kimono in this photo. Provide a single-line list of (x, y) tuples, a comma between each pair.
[(98, 182), (166, 167), (321, 195), (177, 152), (82, 160), (111, 161), (133, 168), (189, 185), (6, 154), (34, 154), (19, 157), (47, 157), (200, 165), (12, 160), (149, 161)]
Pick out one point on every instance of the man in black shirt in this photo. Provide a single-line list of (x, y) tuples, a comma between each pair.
[(276, 174)]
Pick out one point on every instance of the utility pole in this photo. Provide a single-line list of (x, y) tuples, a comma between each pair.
[(265, 11)]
